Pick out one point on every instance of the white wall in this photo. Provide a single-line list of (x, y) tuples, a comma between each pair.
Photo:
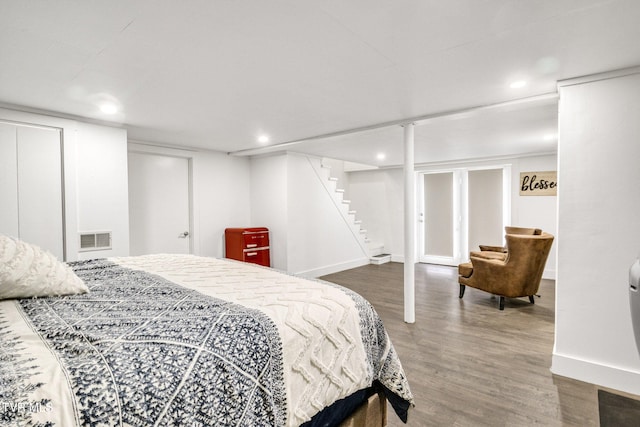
[(536, 211), (223, 188), (320, 241), (337, 171), (599, 230), (377, 196), (95, 189), (269, 200), (102, 186), (220, 194), (308, 234), (96, 186)]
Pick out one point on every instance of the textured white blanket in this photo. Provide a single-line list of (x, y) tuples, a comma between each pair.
[(333, 343)]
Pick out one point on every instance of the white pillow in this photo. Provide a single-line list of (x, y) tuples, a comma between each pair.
[(27, 271)]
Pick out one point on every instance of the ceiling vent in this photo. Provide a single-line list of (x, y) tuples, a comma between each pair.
[(95, 241)]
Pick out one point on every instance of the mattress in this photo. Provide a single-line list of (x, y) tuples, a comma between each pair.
[(187, 340)]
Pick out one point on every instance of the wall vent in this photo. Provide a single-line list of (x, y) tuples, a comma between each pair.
[(95, 241)]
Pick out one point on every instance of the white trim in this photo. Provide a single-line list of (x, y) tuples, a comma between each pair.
[(334, 268), (439, 260), (52, 115), (506, 196), (546, 97), (549, 274), (614, 377), (622, 72), (397, 258)]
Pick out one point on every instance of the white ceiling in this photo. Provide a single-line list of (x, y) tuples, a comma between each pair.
[(218, 73)]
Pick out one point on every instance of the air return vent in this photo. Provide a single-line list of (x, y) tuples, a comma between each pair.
[(95, 241)]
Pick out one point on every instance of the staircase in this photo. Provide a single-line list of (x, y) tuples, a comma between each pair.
[(373, 250)]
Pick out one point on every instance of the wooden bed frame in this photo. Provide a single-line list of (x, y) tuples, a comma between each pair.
[(372, 413)]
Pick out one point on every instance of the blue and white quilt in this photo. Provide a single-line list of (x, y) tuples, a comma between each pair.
[(185, 340)]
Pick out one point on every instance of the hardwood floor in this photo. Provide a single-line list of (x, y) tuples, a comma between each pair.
[(468, 363)]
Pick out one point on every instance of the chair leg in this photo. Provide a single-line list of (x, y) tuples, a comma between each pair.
[(462, 289), (501, 303), (531, 300)]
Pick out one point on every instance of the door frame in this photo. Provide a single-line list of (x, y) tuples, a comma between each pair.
[(460, 211), (457, 215), (142, 148)]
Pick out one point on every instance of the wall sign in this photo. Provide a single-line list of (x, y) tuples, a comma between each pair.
[(539, 183)]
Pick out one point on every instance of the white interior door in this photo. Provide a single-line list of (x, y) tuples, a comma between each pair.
[(159, 204)]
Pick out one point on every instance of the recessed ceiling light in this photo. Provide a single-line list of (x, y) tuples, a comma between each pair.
[(381, 156), (518, 84), (109, 108), (263, 139)]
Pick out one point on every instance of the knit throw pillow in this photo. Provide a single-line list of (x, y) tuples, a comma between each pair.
[(27, 271)]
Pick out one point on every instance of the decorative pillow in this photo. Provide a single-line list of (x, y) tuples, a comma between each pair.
[(27, 271)]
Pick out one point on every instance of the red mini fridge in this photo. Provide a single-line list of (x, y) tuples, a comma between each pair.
[(248, 245)]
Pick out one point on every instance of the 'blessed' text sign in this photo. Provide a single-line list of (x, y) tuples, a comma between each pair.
[(538, 183)]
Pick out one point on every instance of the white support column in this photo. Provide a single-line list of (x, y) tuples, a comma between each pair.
[(409, 226)]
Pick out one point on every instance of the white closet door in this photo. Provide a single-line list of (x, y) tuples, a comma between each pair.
[(8, 181), (40, 188)]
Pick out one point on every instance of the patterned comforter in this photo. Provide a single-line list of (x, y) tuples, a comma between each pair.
[(186, 340)]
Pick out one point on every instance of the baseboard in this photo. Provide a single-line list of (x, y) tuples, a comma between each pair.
[(611, 377), (330, 269), (397, 258), (546, 274), (549, 274)]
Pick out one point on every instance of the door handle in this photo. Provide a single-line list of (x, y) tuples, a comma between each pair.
[(184, 235)]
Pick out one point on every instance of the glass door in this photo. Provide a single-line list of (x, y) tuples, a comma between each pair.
[(439, 218), (461, 209), (485, 209)]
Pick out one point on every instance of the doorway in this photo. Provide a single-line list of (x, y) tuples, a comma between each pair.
[(159, 204), (460, 209)]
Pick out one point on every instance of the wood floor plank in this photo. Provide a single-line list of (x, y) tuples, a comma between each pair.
[(468, 363)]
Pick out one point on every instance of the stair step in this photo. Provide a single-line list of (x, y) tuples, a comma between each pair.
[(333, 178), (322, 165), (346, 201), (352, 212), (363, 231), (380, 259), (358, 221), (339, 190)]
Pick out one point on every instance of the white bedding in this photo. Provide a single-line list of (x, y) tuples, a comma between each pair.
[(330, 344)]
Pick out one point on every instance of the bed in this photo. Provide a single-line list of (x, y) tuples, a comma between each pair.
[(187, 340)]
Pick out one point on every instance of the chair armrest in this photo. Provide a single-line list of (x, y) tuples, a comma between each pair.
[(493, 248), (488, 274)]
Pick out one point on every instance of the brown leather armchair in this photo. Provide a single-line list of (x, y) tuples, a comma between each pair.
[(514, 272)]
